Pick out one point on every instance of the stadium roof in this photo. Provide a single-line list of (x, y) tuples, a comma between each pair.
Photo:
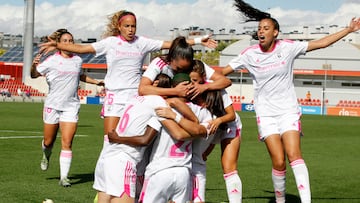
[(16, 55)]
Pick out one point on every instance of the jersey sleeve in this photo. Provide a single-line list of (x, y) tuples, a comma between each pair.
[(101, 46), (238, 62), (45, 66), (208, 71), (154, 123), (154, 69), (152, 44)]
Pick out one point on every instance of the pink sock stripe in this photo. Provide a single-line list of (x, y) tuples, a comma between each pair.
[(66, 154), (278, 173), (297, 162), (230, 174)]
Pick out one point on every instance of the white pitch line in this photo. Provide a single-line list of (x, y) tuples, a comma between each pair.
[(27, 132)]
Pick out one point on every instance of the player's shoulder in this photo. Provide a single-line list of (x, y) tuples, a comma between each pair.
[(159, 63)]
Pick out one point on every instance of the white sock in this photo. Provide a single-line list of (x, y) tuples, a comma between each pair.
[(233, 187), (46, 150), (279, 182), (65, 163), (302, 179)]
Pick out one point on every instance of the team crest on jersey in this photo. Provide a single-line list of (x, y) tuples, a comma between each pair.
[(279, 54)]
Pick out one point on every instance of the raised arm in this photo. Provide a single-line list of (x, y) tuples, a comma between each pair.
[(75, 48), (332, 38), (205, 41), (33, 72)]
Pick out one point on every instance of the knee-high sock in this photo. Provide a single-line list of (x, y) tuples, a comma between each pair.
[(302, 179), (65, 163), (279, 183), (233, 187), (46, 150)]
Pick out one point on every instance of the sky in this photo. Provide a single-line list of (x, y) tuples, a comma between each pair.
[(88, 18)]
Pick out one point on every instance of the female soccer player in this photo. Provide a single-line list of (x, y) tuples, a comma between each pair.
[(226, 125), (179, 59), (270, 64), (125, 53), (63, 71)]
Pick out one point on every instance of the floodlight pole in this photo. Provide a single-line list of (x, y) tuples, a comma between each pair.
[(28, 39)]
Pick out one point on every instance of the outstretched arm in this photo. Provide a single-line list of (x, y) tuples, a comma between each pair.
[(91, 80), (75, 48), (205, 41), (332, 38)]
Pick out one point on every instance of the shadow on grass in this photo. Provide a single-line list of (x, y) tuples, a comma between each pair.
[(78, 178)]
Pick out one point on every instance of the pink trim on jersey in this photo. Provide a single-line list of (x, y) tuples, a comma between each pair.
[(227, 175), (256, 46), (66, 154), (278, 173), (274, 47), (161, 64), (125, 40), (195, 192), (297, 162)]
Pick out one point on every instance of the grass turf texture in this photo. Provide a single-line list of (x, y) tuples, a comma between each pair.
[(330, 148)]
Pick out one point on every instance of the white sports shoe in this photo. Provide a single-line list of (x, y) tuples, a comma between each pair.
[(65, 182), (44, 164)]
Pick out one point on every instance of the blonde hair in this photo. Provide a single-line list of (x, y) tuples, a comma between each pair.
[(58, 33), (112, 26)]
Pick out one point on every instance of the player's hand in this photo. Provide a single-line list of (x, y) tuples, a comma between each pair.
[(112, 135), (165, 112), (48, 47), (36, 60), (182, 89), (206, 41), (195, 90), (354, 24)]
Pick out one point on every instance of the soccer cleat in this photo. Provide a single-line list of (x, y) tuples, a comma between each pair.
[(65, 182), (44, 164)]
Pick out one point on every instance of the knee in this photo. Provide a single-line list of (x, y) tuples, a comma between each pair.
[(279, 164)]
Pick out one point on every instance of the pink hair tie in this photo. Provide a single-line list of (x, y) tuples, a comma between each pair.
[(126, 16)]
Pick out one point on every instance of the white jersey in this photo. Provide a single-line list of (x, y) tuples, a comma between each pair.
[(272, 74), (136, 116), (63, 76), (124, 60), (168, 152), (158, 66)]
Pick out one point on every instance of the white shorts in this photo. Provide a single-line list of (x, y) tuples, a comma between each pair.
[(53, 116), (270, 125), (115, 101), (198, 183), (99, 175), (169, 184), (120, 175)]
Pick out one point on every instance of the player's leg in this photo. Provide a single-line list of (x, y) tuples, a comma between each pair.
[(291, 140), (230, 148), (50, 132), (68, 130), (276, 151), (51, 126)]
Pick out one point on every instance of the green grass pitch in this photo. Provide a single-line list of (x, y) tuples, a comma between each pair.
[(330, 148)]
